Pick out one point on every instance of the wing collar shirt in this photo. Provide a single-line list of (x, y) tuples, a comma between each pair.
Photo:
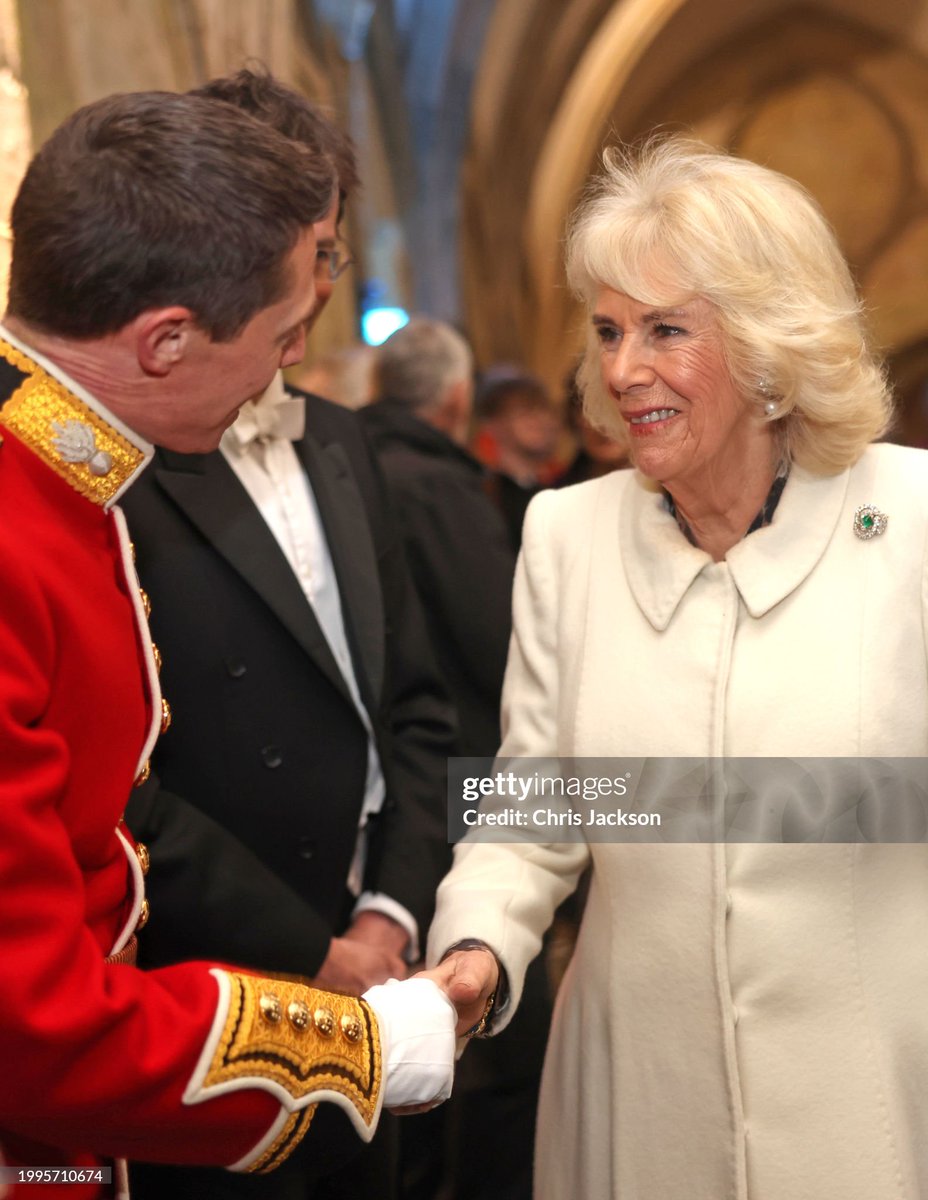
[(259, 449)]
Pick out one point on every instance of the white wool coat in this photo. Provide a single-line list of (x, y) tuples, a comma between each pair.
[(739, 1022)]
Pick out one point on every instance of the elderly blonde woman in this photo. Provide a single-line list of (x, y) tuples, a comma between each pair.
[(750, 1021)]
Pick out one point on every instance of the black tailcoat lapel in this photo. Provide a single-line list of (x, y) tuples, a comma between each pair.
[(347, 531), (208, 491)]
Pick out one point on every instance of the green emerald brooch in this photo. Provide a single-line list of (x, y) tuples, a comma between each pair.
[(869, 522)]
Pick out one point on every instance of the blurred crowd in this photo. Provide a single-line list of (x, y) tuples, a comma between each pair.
[(525, 436)]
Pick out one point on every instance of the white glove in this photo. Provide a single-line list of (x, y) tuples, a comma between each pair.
[(416, 1021)]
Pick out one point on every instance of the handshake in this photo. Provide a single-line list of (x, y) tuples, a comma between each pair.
[(419, 1021)]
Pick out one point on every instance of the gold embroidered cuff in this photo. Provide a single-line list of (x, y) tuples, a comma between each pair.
[(310, 1044), (285, 1143)]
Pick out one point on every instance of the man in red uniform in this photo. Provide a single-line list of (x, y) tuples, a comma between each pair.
[(162, 272)]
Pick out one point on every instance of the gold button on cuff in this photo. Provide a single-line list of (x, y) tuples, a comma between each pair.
[(156, 654), (143, 775), (270, 1008), (351, 1028), (299, 1015), (144, 914), (146, 603), (254, 1052), (141, 853), (324, 1020), (166, 717)]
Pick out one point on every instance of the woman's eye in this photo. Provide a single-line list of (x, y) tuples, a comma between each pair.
[(607, 334), (662, 331)]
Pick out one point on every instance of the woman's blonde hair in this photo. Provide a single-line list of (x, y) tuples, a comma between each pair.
[(675, 219)]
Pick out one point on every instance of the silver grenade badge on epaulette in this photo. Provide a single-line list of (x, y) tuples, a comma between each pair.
[(77, 443)]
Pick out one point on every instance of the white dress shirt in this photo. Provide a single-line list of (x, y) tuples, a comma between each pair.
[(259, 449)]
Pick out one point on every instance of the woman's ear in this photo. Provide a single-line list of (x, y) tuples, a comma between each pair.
[(164, 337)]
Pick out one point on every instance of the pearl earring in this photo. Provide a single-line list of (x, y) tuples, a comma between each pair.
[(765, 388)]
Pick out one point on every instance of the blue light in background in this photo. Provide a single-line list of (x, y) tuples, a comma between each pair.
[(378, 323)]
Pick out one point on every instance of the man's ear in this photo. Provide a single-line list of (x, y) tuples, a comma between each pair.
[(461, 403), (164, 337), (452, 412)]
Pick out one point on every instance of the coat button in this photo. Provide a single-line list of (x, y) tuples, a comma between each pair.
[(143, 775), (272, 756), (271, 1009), (324, 1020), (235, 667), (299, 1015), (166, 716), (351, 1028), (306, 847), (144, 914)]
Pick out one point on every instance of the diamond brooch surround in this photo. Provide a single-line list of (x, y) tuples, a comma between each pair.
[(869, 522)]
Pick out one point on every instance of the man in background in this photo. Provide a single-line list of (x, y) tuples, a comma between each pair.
[(302, 786), (455, 539), (463, 564), (517, 433)]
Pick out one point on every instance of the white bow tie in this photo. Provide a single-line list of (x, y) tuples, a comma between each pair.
[(275, 414)]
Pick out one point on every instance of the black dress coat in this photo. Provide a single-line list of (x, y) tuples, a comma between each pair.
[(252, 816), (460, 558)]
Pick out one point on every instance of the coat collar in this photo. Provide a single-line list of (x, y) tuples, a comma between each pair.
[(390, 423), (661, 565), (69, 429)]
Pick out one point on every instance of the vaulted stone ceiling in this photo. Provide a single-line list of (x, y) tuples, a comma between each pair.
[(835, 94)]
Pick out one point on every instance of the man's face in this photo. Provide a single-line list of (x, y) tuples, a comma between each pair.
[(326, 241), (205, 390), (530, 427)]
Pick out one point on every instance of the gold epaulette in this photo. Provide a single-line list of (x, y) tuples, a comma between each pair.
[(69, 437), (308, 1044)]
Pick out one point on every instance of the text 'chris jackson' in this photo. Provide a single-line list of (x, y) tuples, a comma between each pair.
[(543, 818)]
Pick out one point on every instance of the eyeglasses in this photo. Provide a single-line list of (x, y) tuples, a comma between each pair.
[(331, 262)]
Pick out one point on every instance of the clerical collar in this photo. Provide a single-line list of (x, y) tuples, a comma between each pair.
[(764, 517), (68, 428)]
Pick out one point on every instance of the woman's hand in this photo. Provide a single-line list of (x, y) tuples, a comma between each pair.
[(468, 978)]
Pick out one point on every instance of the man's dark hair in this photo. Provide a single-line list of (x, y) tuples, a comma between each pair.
[(150, 199), (272, 102), (504, 389)]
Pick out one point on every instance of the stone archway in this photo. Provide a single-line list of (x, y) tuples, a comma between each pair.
[(835, 95)]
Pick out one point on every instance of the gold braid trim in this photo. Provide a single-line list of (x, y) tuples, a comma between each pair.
[(306, 1041), (285, 1143), (38, 413)]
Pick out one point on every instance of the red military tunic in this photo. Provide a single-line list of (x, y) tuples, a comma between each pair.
[(189, 1064)]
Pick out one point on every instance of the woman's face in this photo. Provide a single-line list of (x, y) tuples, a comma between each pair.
[(665, 369)]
